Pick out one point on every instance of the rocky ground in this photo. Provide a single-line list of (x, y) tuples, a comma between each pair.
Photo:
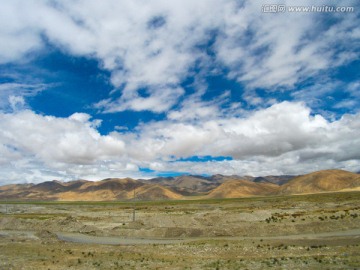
[(292, 232)]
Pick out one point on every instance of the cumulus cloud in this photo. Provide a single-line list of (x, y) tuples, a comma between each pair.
[(273, 131), (284, 138), (151, 49), (67, 140), (35, 148), (274, 139)]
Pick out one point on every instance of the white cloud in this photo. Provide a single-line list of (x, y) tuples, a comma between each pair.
[(16, 102), (352, 102), (13, 95), (150, 48), (284, 138), (258, 49), (281, 49), (160, 99), (194, 109), (68, 140), (17, 37), (273, 131), (35, 148)]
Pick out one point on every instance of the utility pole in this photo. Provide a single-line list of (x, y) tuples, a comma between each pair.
[(6, 206), (134, 206)]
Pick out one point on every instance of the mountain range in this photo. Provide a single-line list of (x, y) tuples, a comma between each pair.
[(182, 187)]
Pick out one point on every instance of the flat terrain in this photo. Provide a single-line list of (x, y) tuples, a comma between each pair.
[(282, 232)]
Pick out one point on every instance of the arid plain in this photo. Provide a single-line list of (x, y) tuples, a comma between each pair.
[(283, 232)]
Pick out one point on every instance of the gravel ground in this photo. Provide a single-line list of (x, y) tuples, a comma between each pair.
[(311, 232)]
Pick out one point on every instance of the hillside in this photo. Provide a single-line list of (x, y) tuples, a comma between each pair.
[(243, 188), (105, 190), (155, 192), (81, 190), (278, 180), (217, 186), (187, 185), (322, 181)]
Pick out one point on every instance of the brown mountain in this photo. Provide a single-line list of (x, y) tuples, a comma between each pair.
[(115, 184), (105, 190), (275, 179), (155, 192), (13, 190), (322, 181), (14, 187), (243, 188), (49, 187), (81, 190), (217, 186), (187, 184)]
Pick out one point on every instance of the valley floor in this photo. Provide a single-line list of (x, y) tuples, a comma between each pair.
[(288, 232)]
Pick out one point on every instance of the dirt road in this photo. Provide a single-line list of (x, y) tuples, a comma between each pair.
[(116, 240), (88, 239)]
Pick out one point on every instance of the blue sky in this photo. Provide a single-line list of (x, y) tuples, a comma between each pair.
[(92, 89)]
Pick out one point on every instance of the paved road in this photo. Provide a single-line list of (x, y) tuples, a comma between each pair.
[(113, 240), (116, 240)]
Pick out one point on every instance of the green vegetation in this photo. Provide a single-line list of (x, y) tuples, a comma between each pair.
[(32, 215), (193, 200)]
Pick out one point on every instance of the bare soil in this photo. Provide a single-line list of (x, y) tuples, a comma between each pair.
[(287, 232)]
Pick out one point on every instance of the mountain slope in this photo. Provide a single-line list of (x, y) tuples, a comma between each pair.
[(187, 184), (115, 184), (243, 188), (322, 181), (155, 192), (81, 190), (278, 179), (217, 186)]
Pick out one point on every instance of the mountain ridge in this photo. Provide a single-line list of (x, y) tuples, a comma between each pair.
[(182, 187)]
